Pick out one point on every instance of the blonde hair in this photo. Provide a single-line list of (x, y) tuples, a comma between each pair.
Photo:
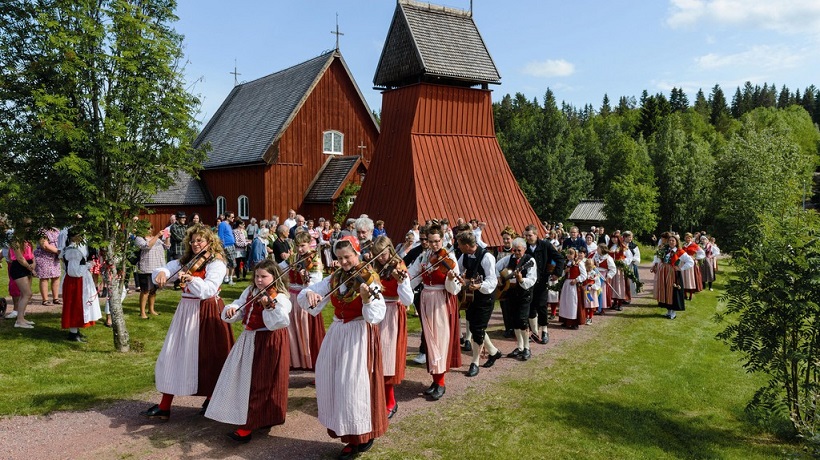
[(214, 243)]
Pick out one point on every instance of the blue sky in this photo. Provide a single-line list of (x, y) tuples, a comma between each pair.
[(580, 50)]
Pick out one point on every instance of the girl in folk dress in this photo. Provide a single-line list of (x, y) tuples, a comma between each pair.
[(349, 371), (670, 261), (692, 280), (252, 390), (81, 306), (198, 341), (570, 309), (623, 258), (607, 270), (591, 288), (393, 329), (305, 331)]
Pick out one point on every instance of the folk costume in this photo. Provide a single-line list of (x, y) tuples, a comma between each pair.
[(692, 278), (252, 390), (479, 265), (349, 370), (519, 298), (393, 330), (545, 255), (198, 341), (669, 264), (507, 313), (708, 265), (439, 316), (607, 270), (623, 258), (81, 304), (571, 308), (591, 287), (305, 331)]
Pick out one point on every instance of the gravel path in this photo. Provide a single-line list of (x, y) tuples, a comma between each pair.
[(116, 431)]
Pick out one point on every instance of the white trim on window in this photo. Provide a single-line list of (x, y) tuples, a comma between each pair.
[(243, 207), (221, 205), (333, 142)]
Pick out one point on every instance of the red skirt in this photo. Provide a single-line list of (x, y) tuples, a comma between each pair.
[(73, 303), (215, 342), (317, 336), (268, 402), (401, 347), (455, 331)]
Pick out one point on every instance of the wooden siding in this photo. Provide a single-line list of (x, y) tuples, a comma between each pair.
[(233, 182), (438, 157), (333, 104)]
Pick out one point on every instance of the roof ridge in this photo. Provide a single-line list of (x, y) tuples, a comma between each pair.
[(309, 61), (437, 8)]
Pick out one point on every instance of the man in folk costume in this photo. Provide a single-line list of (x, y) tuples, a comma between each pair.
[(438, 309), (305, 331), (477, 265), (393, 329), (198, 342), (518, 296), (510, 317), (545, 255), (81, 305), (252, 390), (349, 371), (669, 263)]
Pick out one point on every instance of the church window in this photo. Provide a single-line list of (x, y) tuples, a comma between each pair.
[(221, 205), (332, 142), (244, 212)]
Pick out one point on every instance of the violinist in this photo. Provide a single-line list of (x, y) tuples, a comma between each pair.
[(393, 329), (478, 266), (198, 341), (305, 331), (438, 309), (252, 390), (349, 371)]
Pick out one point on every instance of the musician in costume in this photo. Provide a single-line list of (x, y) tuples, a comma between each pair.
[(438, 309), (507, 314), (477, 266), (198, 341), (669, 263), (252, 390), (393, 328), (545, 255), (81, 304), (571, 308), (414, 253), (518, 296), (349, 371), (305, 331)]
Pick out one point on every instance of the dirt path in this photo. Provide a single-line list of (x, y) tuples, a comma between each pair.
[(117, 432)]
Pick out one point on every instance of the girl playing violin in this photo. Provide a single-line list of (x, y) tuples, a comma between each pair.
[(261, 352), (305, 331), (349, 372), (393, 329), (198, 341)]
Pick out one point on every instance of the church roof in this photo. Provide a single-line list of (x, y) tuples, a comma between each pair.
[(186, 190), (255, 114), (429, 42), (330, 179)]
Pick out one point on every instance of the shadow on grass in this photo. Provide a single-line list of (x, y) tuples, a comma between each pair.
[(674, 432)]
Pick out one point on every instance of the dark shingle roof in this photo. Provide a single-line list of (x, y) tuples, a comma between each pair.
[(588, 211), (330, 178), (186, 190), (433, 41), (255, 113)]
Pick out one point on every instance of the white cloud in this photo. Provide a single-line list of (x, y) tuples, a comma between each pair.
[(550, 68), (761, 57), (785, 16)]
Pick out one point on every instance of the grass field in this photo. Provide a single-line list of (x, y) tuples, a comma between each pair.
[(639, 386)]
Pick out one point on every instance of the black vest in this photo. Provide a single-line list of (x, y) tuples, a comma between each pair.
[(472, 267)]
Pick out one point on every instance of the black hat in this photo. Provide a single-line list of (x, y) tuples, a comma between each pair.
[(181, 214)]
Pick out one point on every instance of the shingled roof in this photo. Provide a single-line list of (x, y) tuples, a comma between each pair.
[(428, 42), (186, 190), (328, 181), (256, 113), (588, 211)]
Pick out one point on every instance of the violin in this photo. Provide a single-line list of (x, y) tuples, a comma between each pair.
[(196, 263), (394, 267), (365, 275), (306, 262), (442, 262)]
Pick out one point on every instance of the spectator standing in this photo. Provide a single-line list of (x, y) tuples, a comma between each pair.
[(152, 257), (240, 236), (47, 265), (177, 235), (225, 233)]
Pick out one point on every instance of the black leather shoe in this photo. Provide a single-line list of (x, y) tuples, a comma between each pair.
[(430, 390), (392, 412), (239, 438), (467, 346), (365, 447), (473, 371), (491, 360), (514, 353), (525, 355), (438, 393), (545, 338), (155, 413), (205, 407), (75, 337)]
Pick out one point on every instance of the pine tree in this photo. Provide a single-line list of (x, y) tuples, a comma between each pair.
[(784, 100), (702, 105), (605, 108)]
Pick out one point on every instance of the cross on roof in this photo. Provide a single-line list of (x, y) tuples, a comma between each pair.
[(235, 74), (337, 33)]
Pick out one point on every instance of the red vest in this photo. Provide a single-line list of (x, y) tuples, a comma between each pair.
[(253, 317), (295, 277), (574, 272), (198, 274)]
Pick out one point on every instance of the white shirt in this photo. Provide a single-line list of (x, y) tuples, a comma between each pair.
[(488, 264), (422, 263), (528, 281), (373, 312), (274, 318)]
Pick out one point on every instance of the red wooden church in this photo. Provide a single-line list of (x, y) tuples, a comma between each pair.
[(437, 155), (291, 140)]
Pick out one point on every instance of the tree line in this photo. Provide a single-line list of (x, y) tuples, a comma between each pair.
[(660, 162)]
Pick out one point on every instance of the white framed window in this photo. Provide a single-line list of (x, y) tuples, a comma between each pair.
[(243, 207), (333, 142), (350, 200), (221, 205)]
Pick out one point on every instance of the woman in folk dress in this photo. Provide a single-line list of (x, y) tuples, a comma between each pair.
[(305, 331), (570, 309), (692, 278), (621, 255), (669, 263)]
